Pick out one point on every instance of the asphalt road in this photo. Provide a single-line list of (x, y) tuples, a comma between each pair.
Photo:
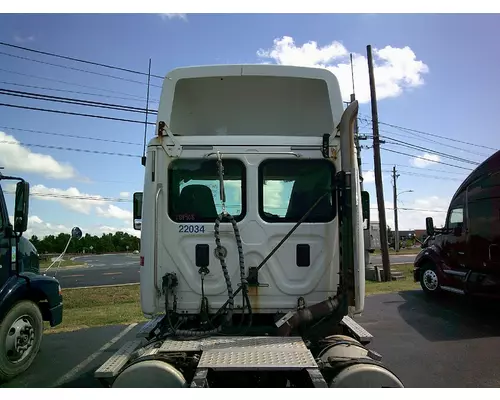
[(448, 342), (118, 269), (105, 269), (395, 259)]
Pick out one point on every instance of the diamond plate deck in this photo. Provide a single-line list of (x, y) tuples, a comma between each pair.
[(235, 343), (113, 365), (261, 353), (257, 359)]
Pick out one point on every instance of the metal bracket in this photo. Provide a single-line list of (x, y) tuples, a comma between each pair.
[(200, 378), (174, 150), (325, 147), (253, 278)]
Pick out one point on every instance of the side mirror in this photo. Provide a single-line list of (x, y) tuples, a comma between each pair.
[(21, 209), (76, 233), (365, 205), (137, 210), (429, 226), (457, 231)]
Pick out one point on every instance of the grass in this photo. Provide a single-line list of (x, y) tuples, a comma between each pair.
[(394, 286), (116, 305), (64, 264), (90, 307)]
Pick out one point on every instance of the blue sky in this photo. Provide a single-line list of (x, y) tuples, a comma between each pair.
[(438, 75)]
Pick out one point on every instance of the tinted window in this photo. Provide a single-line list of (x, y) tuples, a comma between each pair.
[(194, 190), (456, 217), (288, 189)]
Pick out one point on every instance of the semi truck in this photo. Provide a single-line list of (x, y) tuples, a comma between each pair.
[(252, 252), (27, 298), (463, 257)]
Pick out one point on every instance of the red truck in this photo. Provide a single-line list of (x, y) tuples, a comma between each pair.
[(464, 256)]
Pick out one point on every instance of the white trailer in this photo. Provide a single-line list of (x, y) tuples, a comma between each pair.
[(252, 250)]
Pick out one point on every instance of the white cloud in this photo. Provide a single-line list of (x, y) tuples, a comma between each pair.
[(425, 160), (395, 69), (40, 228), (15, 157), (173, 16), (23, 39), (70, 198), (368, 176), (113, 211), (125, 195)]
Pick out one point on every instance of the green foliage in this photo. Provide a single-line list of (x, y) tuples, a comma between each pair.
[(110, 242)]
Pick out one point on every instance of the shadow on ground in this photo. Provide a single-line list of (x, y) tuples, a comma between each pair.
[(450, 316), (444, 342)]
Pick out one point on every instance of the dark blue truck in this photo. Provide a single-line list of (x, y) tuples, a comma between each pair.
[(26, 297)]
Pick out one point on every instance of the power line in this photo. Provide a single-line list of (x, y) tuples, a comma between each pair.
[(68, 100), (425, 159), (412, 209), (46, 146), (426, 176), (73, 113), (77, 69), (435, 135), (70, 135), (72, 83), (79, 60), (436, 142), (416, 147), (426, 169), (64, 196), (76, 92)]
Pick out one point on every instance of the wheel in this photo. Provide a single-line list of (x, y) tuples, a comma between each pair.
[(20, 337), (429, 279)]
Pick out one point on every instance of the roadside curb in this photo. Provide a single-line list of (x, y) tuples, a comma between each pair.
[(101, 286)]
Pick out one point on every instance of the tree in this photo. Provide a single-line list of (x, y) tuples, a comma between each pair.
[(89, 243)]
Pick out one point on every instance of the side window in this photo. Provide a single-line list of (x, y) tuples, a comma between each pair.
[(194, 190), (288, 189), (456, 218)]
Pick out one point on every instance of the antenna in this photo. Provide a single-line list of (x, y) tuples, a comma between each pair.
[(143, 158), (352, 74)]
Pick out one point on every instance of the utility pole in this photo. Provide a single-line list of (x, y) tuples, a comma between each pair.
[(378, 171), (395, 194)]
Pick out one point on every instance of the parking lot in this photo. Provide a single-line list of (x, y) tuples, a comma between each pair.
[(449, 342)]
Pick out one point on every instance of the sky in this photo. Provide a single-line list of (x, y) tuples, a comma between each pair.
[(434, 73)]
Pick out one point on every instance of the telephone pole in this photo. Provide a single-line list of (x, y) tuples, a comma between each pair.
[(378, 171), (395, 194)]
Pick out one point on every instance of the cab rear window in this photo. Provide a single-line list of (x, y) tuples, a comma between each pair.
[(289, 188), (194, 190)]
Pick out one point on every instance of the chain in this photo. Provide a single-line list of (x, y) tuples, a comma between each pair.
[(220, 167)]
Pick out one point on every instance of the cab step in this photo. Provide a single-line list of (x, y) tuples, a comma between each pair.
[(116, 362), (149, 326), (359, 333)]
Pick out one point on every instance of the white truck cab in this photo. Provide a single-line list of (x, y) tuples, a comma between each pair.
[(251, 224)]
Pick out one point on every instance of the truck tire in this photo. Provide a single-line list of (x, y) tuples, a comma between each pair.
[(429, 279), (21, 333)]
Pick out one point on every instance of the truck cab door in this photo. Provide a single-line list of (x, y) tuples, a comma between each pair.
[(454, 241), (483, 244)]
